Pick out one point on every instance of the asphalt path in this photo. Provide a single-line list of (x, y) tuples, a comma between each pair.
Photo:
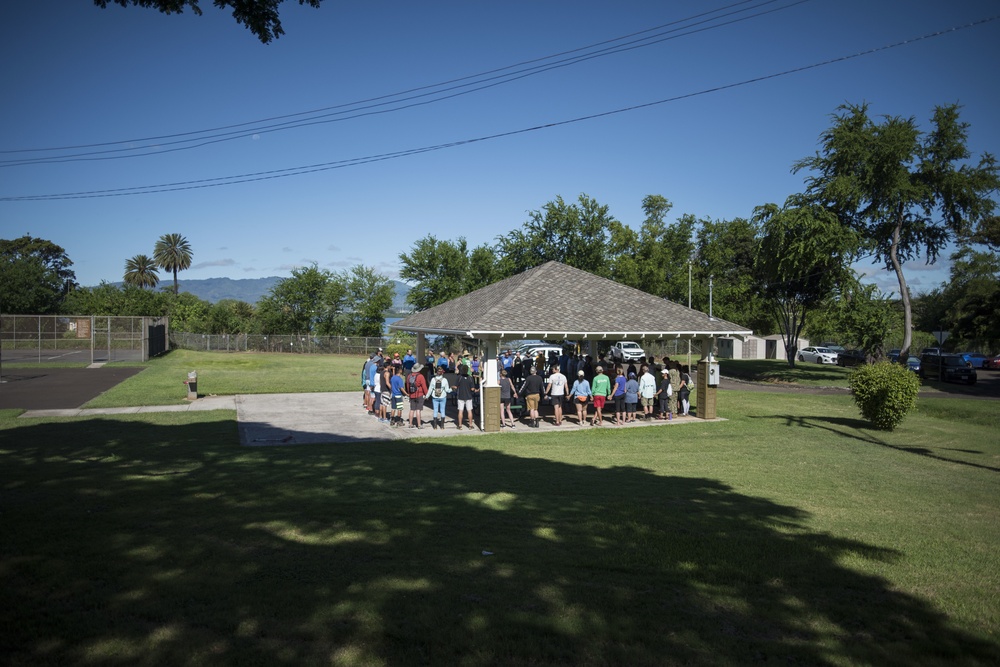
[(41, 388)]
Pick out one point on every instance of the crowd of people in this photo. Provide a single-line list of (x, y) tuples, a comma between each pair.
[(640, 389)]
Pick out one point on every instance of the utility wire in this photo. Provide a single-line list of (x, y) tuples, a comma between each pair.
[(375, 106), (340, 164)]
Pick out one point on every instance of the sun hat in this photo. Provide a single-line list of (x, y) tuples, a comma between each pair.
[(417, 368)]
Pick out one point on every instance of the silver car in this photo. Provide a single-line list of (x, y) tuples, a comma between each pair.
[(819, 355)]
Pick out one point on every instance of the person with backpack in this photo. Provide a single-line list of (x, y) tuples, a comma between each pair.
[(416, 389), (439, 391)]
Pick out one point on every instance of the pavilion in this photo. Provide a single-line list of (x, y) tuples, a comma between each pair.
[(556, 301)]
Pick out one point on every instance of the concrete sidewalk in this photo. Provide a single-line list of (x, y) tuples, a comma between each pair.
[(295, 419)]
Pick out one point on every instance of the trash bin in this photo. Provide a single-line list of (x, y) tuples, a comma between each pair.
[(192, 385)]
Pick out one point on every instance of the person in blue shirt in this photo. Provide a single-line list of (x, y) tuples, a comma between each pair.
[(580, 395), (397, 390), (408, 361)]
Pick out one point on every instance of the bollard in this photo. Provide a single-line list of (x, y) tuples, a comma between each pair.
[(192, 385)]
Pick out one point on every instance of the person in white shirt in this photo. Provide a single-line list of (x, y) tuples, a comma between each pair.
[(556, 391), (647, 390)]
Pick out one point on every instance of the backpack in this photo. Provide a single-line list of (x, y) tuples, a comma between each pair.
[(411, 383), (438, 389)]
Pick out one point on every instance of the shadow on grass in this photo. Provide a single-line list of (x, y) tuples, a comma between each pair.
[(128, 542), (861, 430)]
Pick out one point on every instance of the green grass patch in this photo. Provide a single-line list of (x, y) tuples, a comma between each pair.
[(791, 533), (226, 374)]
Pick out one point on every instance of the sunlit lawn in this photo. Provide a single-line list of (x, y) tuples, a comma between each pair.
[(790, 533)]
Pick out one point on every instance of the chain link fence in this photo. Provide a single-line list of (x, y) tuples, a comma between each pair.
[(80, 338), (297, 344)]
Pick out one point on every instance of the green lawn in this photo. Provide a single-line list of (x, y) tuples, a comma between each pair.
[(790, 533)]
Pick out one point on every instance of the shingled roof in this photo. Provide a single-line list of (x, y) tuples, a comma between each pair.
[(558, 301)]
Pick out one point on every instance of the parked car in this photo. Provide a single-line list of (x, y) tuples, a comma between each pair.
[(626, 350), (913, 363), (833, 347), (852, 358), (993, 364), (975, 359), (819, 355), (947, 368)]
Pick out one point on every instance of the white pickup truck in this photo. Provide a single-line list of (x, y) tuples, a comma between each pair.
[(626, 350)]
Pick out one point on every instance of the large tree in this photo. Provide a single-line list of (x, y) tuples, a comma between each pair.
[(35, 276), (724, 258), (908, 193), (259, 16), (803, 256), (172, 252), (440, 270), (140, 271)]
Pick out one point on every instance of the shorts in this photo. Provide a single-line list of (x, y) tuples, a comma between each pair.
[(465, 405), (599, 401), (505, 401), (664, 403), (376, 401), (646, 402), (397, 402), (630, 407), (620, 403), (557, 400), (531, 401), (417, 404)]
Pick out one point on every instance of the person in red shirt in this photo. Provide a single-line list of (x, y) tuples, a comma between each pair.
[(416, 389)]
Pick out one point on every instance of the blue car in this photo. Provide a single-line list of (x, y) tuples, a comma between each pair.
[(912, 362)]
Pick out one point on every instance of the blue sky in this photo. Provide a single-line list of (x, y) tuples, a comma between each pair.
[(137, 82)]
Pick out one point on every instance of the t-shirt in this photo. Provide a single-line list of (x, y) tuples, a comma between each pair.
[(631, 391), (532, 385), (464, 388), (557, 384), (601, 386), (620, 385), (439, 387), (397, 386), (506, 389)]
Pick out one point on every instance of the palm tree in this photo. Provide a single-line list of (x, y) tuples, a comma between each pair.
[(141, 272), (172, 253)]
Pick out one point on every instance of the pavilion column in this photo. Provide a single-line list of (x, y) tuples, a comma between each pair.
[(489, 396), (708, 380)]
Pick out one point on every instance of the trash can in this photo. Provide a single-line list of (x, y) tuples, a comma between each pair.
[(192, 385)]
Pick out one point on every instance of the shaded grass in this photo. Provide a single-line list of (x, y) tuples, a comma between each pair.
[(790, 533), (778, 371)]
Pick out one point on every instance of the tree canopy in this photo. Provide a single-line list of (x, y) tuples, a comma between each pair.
[(35, 276), (259, 16), (140, 271), (908, 193), (172, 252)]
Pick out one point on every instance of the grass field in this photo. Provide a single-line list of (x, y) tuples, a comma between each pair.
[(790, 533)]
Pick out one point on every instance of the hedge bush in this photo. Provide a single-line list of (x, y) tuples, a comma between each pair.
[(884, 392)]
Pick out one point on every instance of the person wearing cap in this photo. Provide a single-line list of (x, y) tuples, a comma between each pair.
[(601, 386), (631, 397), (580, 394), (663, 394), (416, 389), (439, 390)]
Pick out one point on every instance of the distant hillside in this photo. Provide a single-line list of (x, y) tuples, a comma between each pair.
[(252, 289)]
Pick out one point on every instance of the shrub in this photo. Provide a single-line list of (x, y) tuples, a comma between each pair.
[(884, 392)]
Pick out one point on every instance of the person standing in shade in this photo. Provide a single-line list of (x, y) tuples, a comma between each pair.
[(675, 385), (647, 390), (601, 388), (631, 397), (398, 390), (466, 391), (416, 389), (408, 361), (507, 395), (439, 391), (531, 390), (663, 395), (619, 395), (580, 394), (684, 393), (556, 391)]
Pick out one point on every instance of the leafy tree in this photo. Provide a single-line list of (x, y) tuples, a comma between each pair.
[(725, 253), (35, 276), (296, 304), (803, 256), (437, 271), (140, 271), (866, 318), (908, 193), (172, 252), (188, 313), (656, 259), (259, 16), (577, 234), (124, 301), (972, 299), (368, 296), (230, 316)]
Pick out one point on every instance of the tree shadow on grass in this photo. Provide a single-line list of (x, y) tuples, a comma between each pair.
[(863, 431), (126, 541)]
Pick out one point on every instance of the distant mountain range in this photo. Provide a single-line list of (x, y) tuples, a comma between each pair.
[(252, 289)]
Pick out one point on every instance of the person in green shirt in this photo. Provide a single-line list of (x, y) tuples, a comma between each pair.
[(601, 387)]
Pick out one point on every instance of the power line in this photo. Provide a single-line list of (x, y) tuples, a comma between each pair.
[(384, 104), (341, 164)]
